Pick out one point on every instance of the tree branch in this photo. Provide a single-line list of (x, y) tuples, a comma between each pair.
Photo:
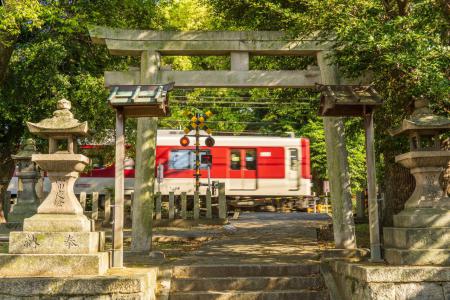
[(402, 7)]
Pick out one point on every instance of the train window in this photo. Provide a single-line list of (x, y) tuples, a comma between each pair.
[(180, 159), (184, 159), (250, 159), (293, 154), (235, 160)]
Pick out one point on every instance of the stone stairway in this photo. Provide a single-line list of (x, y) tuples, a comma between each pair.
[(247, 282)]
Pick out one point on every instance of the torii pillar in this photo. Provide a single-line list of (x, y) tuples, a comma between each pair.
[(239, 45), (141, 240), (337, 163)]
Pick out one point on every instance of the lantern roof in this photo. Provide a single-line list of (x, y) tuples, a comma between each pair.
[(347, 100), (422, 119), (61, 124), (27, 149)]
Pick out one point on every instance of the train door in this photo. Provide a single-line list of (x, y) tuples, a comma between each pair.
[(293, 169), (242, 169)]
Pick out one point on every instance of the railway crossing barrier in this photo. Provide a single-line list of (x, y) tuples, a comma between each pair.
[(176, 210), (319, 205)]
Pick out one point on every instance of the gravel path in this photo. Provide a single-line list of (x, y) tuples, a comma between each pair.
[(263, 237)]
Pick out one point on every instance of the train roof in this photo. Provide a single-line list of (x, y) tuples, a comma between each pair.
[(172, 137)]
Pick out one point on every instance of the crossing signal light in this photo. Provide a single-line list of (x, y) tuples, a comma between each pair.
[(209, 142), (184, 141)]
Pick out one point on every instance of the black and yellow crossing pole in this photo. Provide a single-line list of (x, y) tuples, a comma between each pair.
[(197, 123), (197, 152)]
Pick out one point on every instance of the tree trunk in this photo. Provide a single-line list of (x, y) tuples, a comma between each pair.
[(399, 185), (5, 56), (6, 172)]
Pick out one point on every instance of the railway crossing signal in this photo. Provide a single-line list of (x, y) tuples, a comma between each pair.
[(197, 123), (184, 141)]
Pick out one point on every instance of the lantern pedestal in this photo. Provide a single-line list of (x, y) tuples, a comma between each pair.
[(59, 240), (421, 233), (27, 201)]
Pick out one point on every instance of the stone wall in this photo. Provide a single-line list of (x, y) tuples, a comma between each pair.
[(365, 281), (126, 284)]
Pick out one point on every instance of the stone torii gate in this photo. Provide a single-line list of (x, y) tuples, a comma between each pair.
[(151, 45)]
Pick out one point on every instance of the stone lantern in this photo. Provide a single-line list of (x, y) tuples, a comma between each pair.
[(28, 174), (421, 232), (59, 240)]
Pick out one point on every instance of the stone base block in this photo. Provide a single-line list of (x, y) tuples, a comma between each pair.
[(418, 257), (22, 265), (422, 218), (347, 254), (417, 238), (57, 223), (127, 284), (365, 281), (56, 242)]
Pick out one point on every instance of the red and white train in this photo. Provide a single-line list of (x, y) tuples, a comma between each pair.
[(250, 166)]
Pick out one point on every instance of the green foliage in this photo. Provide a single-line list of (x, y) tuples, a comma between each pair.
[(402, 45), (53, 57), (185, 15), (16, 16)]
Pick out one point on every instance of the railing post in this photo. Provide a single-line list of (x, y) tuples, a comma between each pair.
[(158, 206), (208, 204), (222, 201), (183, 205), (83, 200), (171, 205), (107, 215), (94, 215), (196, 206), (131, 206)]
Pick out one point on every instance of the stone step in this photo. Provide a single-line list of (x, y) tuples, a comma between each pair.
[(245, 270), (417, 238), (253, 295), (247, 283)]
